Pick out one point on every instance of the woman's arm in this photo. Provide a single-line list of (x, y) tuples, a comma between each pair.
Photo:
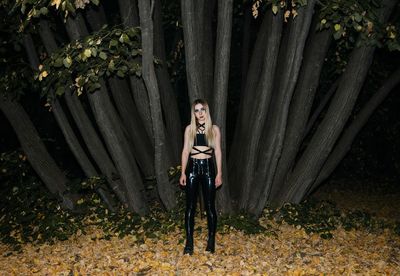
[(218, 155), (185, 156)]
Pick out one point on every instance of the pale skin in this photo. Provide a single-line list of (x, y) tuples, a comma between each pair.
[(201, 118)]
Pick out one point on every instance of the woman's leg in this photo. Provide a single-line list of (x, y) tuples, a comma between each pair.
[(191, 200), (208, 189)]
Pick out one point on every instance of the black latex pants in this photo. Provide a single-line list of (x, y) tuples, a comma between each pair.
[(200, 172)]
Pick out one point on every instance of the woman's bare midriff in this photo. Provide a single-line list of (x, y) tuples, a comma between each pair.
[(201, 155)]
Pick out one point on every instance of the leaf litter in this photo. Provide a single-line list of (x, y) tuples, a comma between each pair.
[(290, 252)]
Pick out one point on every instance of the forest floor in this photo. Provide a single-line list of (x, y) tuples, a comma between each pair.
[(290, 251)]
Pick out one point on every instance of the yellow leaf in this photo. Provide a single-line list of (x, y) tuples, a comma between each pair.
[(392, 35), (337, 27), (286, 16), (275, 9), (370, 25), (87, 53), (323, 21), (56, 3)]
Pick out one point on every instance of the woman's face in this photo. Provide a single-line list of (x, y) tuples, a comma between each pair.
[(200, 112)]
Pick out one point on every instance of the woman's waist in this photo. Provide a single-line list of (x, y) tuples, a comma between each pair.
[(197, 160)]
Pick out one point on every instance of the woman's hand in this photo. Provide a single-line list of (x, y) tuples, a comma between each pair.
[(182, 180), (218, 180)]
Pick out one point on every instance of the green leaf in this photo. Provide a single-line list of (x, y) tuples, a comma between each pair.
[(124, 38), (96, 2), (113, 43), (120, 74), (337, 35), (58, 62), (111, 65), (94, 52), (60, 90), (103, 55), (134, 52), (67, 61), (70, 7), (44, 10), (357, 17)]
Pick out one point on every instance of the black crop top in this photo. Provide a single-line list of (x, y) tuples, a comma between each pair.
[(200, 140)]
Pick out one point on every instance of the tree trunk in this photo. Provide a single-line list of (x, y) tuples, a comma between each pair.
[(224, 31), (130, 18), (112, 130), (321, 106), (95, 145), (275, 127), (247, 99), (165, 191), (141, 147), (69, 135), (168, 98), (38, 156), (247, 18), (206, 49), (300, 107), (346, 140), (322, 142), (192, 55), (251, 136)]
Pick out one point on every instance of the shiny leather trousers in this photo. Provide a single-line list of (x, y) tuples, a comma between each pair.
[(200, 172)]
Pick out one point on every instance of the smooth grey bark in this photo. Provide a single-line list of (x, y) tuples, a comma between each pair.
[(289, 69), (247, 17), (346, 140), (58, 112), (222, 58), (112, 131), (86, 129), (31, 52), (322, 142), (247, 99), (142, 146), (96, 17), (78, 152), (130, 18), (139, 139), (168, 98), (34, 62), (320, 146), (95, 145), (165, 191), (300, 106), (258, 112), (320, 108), (72, 141), (206, 48), (36, 152), (129, 12), (192, 55)]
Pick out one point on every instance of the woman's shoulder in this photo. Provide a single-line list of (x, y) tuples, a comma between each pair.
[(187, 128), (216, 128)]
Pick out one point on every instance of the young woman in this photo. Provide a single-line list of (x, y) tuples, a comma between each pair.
[(202, 141)]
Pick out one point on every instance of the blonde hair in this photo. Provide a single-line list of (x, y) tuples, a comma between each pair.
[(208, 125)]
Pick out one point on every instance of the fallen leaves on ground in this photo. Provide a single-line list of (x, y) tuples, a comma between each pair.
[(291, 252)]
